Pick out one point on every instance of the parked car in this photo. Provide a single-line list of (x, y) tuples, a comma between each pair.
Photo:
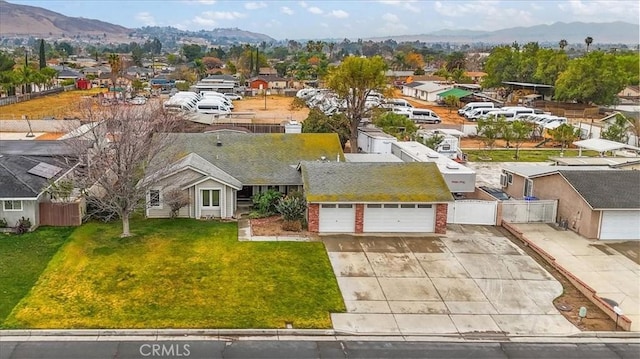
[(138, 100), (232, 96)]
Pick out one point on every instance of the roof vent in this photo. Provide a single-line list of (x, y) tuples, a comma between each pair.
[(323, 158), (453, 166), (219, 143)]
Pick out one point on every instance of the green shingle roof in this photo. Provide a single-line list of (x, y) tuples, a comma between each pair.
[(256, 158), (417, 182)]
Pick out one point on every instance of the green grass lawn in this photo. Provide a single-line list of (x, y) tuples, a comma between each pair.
[(180, 274), (22, 260), (524, 155)]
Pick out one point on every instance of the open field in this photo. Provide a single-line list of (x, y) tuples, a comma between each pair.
[(524, 155), (58, 106), (180, 273), (278, 109)]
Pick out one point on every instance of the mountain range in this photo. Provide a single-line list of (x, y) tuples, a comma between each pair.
[(23, 20)]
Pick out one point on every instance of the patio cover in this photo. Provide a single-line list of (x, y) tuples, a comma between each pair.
[(602, 145), (458, 93)]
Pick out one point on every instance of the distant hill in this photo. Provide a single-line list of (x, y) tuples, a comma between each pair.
[(220, 36), (574, 32), (30, 20)]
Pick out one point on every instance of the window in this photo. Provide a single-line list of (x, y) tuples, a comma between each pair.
[(509, 178), (345, 206), (424, 206), (407, 206), (528, 188), (210, 197), (374, 206), (324, 205), (13, 205), (154, 198), (390, 206)]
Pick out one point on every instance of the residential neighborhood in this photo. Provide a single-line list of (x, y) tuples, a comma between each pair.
[(358, 191)]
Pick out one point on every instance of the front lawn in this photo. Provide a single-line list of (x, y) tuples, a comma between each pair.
[(22, 260), (524, 155), (180, 274)]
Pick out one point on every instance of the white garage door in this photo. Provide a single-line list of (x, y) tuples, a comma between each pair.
[(398, 218), (620, 225), (337, 218)]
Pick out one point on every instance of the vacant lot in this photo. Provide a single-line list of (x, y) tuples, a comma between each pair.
[(59, 106), (180, 274), (524, 155), (272, 109)]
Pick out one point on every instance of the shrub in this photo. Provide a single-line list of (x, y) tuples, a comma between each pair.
[(176, 199), (97, 212), (3, 223), (292, 207), (292, 226), (24, 224), (297, 104), (265, 203)]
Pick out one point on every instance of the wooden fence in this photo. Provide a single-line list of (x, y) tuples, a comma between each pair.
[(61, 214)]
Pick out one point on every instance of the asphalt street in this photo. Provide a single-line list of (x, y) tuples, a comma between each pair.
[(311, 349)]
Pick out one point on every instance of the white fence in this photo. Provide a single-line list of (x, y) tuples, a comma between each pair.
[(472, 212), (539, 211)]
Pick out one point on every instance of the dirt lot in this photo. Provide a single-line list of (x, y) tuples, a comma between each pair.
[(278, 109), (58, 106)]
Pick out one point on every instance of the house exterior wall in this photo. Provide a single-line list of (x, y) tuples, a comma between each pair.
[(29, 210), (359, 217), (277, 84), (168, 183), (441, 218), (571, 207), (218, 211), (516, 188), (255, 84), (313, 220)]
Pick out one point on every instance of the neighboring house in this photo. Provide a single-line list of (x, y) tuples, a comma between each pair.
[(597, 204), (630, 92), (219, 83), (426, 91), (475, 76), (139, 72), (268, 71), (361, 198), (26, 169), (267, 82), (68, 74), (219, 169)]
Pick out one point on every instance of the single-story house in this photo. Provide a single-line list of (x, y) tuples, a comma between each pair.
[(426, 91), (361, 197), (598, 204), (268, 82), (27, 168), (219, 169), (631, 92)]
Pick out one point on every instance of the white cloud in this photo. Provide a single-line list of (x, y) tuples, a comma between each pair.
[(315, 10), (411, 5), (324, 24), (388, 17), (339, 14), (303, 4), (207, 2), (488, 15), (255, 5), (146, 18), (391, 28), (210, 18), (286, 10), (204, 21), (602, 10)]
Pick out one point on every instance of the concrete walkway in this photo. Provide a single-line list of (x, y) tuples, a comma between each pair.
[(471, 281), (611, 274)]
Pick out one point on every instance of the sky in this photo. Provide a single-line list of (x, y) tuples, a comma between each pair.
[(342, 19)]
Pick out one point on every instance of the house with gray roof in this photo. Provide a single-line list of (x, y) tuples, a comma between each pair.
[(597, 204), (27, 169)]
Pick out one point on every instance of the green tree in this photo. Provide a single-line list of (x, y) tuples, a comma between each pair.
[(353, 80), (42, 57), (620, 129), (522, 131), (551, 63), (396, 125), (501, 65), (191, 52), (137, 54), (452, 102), (116, 67), (434, 141), (563, 43), (505, 130), (489, 131), (318, 122), (564, 134), (588, 41), (456, 61), (630, 64), (596, 78)]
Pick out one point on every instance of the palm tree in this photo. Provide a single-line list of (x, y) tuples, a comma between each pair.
[(116, 67), (563, 43), (588, 40)]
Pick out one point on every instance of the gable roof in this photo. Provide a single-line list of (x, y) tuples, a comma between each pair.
[(16, 180), (415, 182), (533, 171), (257, 158), (196, 162), (618, 189)]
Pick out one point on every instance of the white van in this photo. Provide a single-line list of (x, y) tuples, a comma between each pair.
[(212, 108), (494, 115), (475, 105), (396, 102), (404, 111), (474, 115), (423, 115), (179, 105), (217, 95)]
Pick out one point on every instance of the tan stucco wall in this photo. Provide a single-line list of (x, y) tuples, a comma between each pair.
[(516, 189), (581, 218)]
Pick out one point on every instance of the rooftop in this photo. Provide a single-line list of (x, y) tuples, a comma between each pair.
[(532, 171), (422, 153), (413, 182), (606, 189)]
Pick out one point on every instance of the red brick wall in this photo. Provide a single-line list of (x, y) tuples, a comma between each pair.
[(441, 218), (359, 217), (314, 217)]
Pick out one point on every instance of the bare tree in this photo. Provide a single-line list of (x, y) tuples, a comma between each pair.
[(126, 140)]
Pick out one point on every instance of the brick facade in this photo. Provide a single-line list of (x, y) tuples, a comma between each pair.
[(359, 217), (441, 218), (313, 217)]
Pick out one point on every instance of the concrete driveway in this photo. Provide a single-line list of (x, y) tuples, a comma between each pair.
[(473, 280)]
